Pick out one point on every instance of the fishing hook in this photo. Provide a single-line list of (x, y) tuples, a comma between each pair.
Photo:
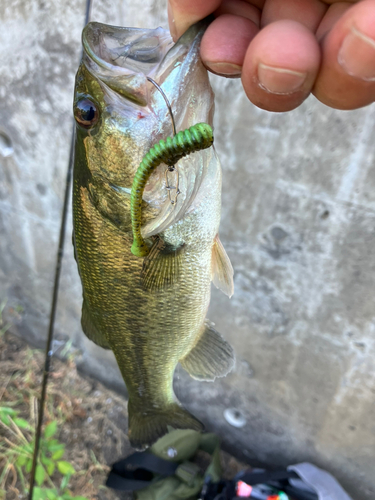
[(166, 102), (171, 168)]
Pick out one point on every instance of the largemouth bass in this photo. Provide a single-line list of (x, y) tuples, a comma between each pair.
[(150, 311)]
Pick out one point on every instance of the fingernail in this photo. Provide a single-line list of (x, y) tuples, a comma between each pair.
[(357, 55), (280, 80), (172, 23), (224, 68)]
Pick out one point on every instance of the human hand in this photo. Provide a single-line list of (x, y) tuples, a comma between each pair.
[(285, 49)]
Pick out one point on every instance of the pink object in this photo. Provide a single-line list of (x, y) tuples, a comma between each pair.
[(243, 489)]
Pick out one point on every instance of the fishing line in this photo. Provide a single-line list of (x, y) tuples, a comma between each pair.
[(60, 253)]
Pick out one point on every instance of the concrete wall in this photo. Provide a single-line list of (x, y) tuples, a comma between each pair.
[(298, 222)]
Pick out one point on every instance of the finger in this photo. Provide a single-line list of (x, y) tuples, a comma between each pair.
[(239, 8), (307, 12), (225, 42), (184, 13), (331, 17), (257, 3), (347, 76), (280, 66)]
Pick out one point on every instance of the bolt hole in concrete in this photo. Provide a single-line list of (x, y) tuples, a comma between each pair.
[(234, 417), (325, 214), (6, 147)]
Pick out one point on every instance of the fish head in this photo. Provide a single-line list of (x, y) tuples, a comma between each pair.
[(120, 114)]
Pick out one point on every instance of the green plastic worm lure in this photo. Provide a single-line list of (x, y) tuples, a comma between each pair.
[(170, 151)]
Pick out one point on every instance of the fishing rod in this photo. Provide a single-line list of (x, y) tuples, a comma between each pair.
[(60, 253)]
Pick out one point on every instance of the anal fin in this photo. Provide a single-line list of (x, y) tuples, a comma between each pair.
[(222, 270), (90, 330), (211, 357), (161, 267)]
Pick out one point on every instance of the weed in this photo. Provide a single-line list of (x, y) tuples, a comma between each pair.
[(16, 453), (67, 465)]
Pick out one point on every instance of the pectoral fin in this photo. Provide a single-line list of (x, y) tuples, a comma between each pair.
[(222, 270), (161, 267), (211, 357), (90, 330)]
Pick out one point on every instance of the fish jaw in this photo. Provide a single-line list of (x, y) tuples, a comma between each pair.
[(121, 58)]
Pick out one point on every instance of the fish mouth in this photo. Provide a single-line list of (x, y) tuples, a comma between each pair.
[(130, 49), (122, 58)]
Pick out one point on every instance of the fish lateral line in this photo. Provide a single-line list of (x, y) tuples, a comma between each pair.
[(170, 151)]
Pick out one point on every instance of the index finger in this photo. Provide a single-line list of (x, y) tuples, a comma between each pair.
[(183, 13)]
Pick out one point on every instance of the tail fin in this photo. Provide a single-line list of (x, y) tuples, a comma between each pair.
[(146, 427)]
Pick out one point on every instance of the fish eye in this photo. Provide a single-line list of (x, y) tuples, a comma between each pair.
[(86, 113)]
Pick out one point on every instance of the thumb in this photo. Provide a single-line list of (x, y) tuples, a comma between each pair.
[(183, 13)]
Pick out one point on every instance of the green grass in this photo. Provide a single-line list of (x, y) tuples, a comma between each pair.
[(19, 393), (16, 455)]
